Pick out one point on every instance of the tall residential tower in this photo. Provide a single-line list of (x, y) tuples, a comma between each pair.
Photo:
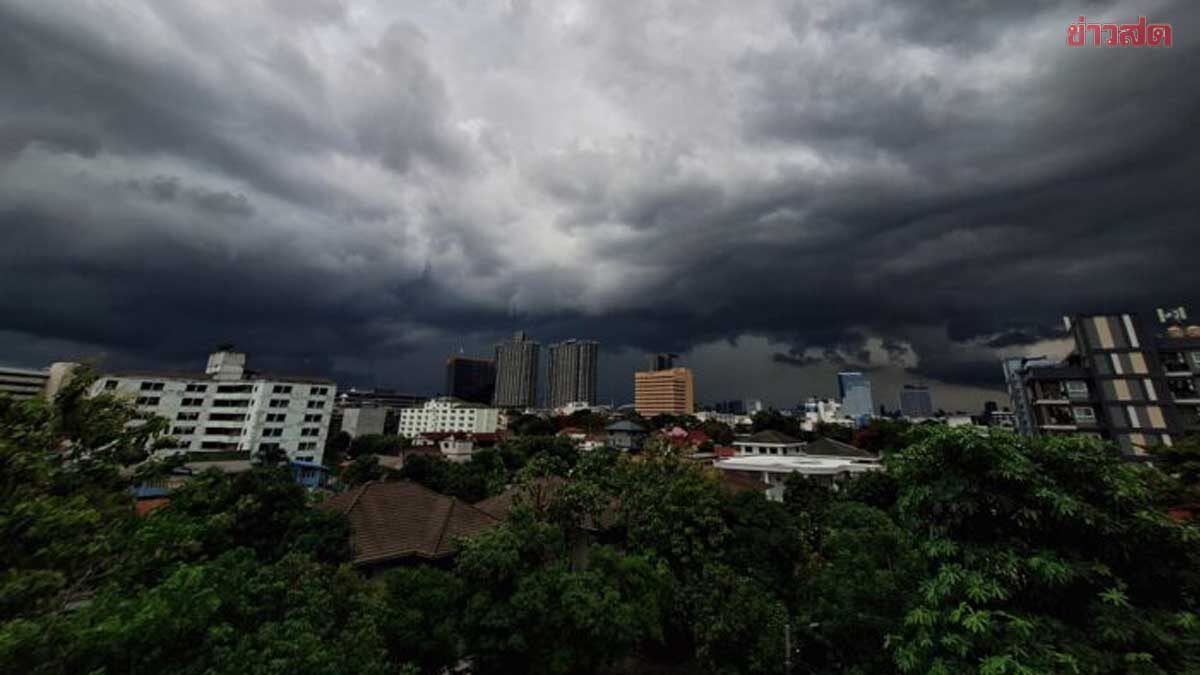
[(573, 368), (516, 372)]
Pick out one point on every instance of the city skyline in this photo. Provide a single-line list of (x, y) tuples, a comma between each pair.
[(908, 191)]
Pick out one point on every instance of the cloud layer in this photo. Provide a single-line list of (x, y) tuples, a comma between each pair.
[(357, 188)]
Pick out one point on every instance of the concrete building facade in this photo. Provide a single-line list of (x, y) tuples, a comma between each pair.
[(573, 371), (517, 372), (447, 414), (668, 392), (229, 408)]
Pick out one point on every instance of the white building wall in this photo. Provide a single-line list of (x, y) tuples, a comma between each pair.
[(233, 415), (447, 415)]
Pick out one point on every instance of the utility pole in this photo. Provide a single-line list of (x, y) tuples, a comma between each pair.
[(787, 646)]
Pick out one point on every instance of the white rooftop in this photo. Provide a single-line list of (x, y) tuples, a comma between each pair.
[(801, 464)]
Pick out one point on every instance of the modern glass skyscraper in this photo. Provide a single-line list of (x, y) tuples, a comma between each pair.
[(470, 379), (516, 372), (573, 368), (855, 391), (916, 402)]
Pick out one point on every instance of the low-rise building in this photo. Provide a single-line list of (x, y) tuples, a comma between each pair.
[(769, 442), (458, 446), (625, 435), (448, 414), (229, 408), (775, 470)]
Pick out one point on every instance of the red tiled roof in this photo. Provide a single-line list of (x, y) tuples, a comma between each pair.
[(399, 519), (144, 506)]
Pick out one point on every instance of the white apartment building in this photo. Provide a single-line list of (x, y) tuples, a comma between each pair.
[(228, 408), (24, 383), (448, 414)]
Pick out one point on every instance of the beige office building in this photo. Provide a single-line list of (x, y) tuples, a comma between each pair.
[(664, 391)]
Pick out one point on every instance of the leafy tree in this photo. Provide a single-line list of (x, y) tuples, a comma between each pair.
[(773, 420), (362, 470), (422, 619), (719, 432), (1180, 463), (378, 444), (533, 425), (528, 611), (882, 435), (1043, 555)]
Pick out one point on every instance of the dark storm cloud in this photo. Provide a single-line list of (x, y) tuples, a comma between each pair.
[(918, 186)]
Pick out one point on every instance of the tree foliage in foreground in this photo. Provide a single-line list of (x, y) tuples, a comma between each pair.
[(972, 553)]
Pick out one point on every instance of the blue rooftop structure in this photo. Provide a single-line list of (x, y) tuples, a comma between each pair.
[(309, 474)]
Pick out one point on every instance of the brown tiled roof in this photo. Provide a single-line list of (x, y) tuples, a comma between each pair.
[(827, 447), (400, 519), (738, 481)]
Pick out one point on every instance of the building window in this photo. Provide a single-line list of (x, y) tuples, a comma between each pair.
[(231, 403), (308, 446), (279, 403), (316, 404), (276, 417), (190, 402), (147, 400), (272, 433), (281, 389), (152, 386), (234, 388), (1196, 360), (319, 391), (196, 387), (1084, 414), (310, 431), (1076, 389), (110, 384), (187, 416), (183, 431)]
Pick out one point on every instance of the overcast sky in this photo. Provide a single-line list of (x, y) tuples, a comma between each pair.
[(774, 189)]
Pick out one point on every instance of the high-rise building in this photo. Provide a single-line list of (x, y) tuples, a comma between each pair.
[(516, 372), (664, 361), (470, 379), (573, 368), (230, 408), (916, 402), (1015, 369), (664, 392), (855, 391), (1126, 381)]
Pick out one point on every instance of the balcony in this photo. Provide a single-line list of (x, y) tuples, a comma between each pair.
[(1183, 389), (1174, 363)]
